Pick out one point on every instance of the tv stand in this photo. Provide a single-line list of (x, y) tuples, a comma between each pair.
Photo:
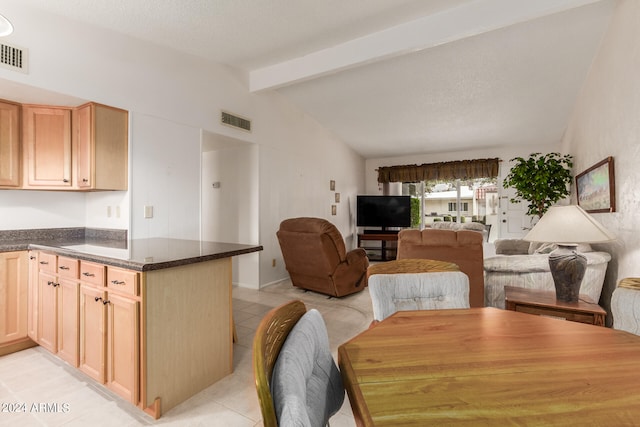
[(383, 236), (383, 231)]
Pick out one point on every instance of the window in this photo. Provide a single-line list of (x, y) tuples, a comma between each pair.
[(459, 200), (452, 200)]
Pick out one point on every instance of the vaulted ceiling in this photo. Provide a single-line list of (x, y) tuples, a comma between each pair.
[(388, 77)]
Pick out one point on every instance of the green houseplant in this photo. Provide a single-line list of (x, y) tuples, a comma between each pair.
[(415, 212), (540, 179)]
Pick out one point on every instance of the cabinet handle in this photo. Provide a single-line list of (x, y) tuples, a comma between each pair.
[(98, 299), (85, 180), (105, 302), (44, 262), (63, 267), (65, 180), (115, 282), (49, 283), (32, 257), (86, 273)]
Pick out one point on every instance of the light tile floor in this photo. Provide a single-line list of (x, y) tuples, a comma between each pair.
[(38, 389)]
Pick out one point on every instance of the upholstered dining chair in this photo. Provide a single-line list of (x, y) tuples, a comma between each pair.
[(297, 380), (625, 305), (417, 291)]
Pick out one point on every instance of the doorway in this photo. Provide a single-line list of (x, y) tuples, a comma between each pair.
[(229, 200)]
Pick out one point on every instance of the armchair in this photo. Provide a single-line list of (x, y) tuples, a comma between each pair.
[(316, 258), (461, 247)]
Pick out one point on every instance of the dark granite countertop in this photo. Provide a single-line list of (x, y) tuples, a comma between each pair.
[(137, 254)]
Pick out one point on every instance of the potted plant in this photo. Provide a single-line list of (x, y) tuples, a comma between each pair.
[(541, 180)]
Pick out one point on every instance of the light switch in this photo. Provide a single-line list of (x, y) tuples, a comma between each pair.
[(148, 211)]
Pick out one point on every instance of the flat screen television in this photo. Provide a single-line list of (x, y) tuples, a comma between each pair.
[(383, 211)]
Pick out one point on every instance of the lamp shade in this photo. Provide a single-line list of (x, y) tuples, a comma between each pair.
[(5, 26), (568, 225)]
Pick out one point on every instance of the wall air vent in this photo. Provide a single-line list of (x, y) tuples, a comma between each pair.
[(13, 58), (235, 121)]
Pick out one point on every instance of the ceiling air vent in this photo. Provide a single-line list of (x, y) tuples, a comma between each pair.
[(235, 121), (13, 58)]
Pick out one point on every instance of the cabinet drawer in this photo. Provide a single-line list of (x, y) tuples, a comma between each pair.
[(122, 280), (47, 262), (92, 273), (68, 267)]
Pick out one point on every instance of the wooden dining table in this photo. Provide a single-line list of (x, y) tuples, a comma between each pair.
[(486, 366)]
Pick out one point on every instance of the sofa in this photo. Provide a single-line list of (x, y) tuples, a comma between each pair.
[(526, 265), (461, 247), (472, 226), (316, 258)]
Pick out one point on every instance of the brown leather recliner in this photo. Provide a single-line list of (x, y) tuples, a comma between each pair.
[(316, 258), (461, 247)]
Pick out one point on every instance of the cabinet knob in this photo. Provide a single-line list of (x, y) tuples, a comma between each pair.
[(65, 180), (98, 299), (49, 283), (85, 180), (32, 257), (105, 302)]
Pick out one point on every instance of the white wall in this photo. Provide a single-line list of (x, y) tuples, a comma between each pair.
[(172, 98), (165, 176), (21, 209), (605, 123)]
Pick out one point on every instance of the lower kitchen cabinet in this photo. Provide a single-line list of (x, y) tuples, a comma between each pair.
[(14, 287), (123, 355), (110, 330), (155, 337), (93, 326), (58, 301)]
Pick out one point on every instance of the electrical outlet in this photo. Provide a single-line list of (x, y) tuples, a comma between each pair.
[(148, 211), (117, 211), (108, 211)]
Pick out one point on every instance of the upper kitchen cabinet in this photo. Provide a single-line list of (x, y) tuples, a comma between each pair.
[(47, 147), (9, 144), (101, 147)]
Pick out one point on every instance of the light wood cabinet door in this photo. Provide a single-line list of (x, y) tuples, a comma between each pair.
[(47, 144), (48, 312), (123, 347), (14, 276), (101, 147), (93, 327), (32, 322), (9, 144), (68, 320)]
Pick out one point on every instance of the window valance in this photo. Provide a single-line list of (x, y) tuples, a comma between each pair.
[(461, 169)]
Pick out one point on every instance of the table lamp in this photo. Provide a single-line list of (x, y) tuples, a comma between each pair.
[(567, 226)]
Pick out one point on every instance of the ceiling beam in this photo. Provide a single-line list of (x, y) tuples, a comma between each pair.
[(464, 21)]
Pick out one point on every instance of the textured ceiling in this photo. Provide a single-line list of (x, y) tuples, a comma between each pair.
[(516, 84)]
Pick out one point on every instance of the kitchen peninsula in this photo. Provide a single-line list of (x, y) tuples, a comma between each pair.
[(150, 319)]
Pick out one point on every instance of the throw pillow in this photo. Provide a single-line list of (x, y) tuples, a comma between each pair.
[(511, 247), (546, 248)]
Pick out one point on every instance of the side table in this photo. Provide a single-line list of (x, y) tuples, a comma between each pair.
[(544, 303)]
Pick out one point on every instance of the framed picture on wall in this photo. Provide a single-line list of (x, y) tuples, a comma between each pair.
[(595, 187)]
